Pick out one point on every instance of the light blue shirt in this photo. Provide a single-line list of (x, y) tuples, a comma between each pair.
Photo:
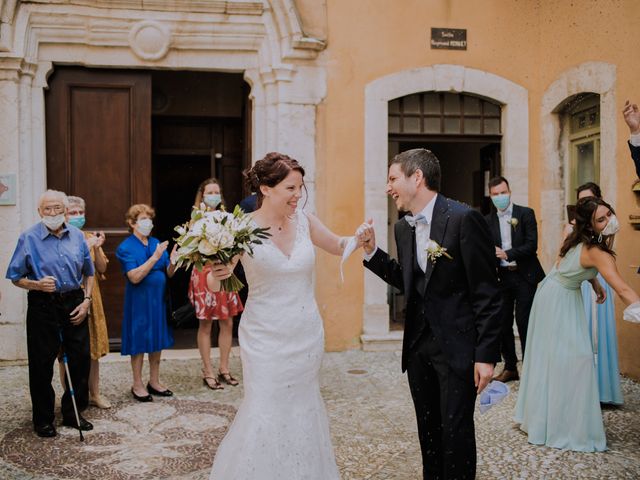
[(39, 253)]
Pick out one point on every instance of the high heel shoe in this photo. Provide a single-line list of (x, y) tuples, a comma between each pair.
[(160, 393), (141, 398)]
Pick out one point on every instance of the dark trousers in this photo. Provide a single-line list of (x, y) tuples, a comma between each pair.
[(517, 294), (47, 314), (444, 404)]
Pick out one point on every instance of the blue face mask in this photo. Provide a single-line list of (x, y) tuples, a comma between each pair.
[(501, 201), (77, 222), (213, 200)]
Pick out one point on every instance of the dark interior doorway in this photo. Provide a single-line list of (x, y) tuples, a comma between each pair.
[(198, 132), (466, 165), (466, 168)]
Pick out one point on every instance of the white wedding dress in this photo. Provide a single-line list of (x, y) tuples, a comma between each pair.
[(281, 430)]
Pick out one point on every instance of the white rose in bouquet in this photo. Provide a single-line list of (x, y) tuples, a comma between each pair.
[(223, 239), (198, 228), (206, 248), (211, 227)]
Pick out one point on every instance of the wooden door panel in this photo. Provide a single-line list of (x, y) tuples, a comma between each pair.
[(99, 148), (101, 152)]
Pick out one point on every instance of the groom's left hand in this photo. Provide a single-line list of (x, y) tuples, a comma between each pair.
[(482, 373)]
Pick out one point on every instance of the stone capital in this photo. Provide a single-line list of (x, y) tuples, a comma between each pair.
[(13, 69)]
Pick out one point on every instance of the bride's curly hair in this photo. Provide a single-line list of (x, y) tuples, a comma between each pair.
[(270, 171), (583, 229)]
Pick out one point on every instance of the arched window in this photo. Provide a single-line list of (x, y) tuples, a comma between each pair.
[(582, 124), (443, 113)]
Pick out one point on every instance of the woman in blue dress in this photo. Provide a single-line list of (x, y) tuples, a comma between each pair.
[(602, 325), (146, 265), (558, 402)]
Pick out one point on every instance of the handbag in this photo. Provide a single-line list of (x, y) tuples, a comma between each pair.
[(183, 316)]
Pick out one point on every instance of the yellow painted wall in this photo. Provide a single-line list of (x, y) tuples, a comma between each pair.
[(527, 42)]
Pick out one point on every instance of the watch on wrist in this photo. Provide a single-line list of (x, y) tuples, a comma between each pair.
[(87, 298)]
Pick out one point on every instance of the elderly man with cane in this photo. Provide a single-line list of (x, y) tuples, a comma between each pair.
[(52, 261)]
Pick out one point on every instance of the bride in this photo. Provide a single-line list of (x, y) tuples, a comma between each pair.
[(281, 429)]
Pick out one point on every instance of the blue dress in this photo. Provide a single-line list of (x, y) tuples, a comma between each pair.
[(558, 402), (144, 326), (607, 343)]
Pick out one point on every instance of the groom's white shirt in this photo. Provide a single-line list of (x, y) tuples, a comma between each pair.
[(423, 232)]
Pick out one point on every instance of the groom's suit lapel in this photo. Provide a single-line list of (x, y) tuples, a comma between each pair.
[(516, 231), (406, 246), (438, 228)]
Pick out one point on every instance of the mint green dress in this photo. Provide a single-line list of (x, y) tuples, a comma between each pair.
[(558, 402)]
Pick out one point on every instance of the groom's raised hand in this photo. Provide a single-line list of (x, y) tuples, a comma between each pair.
[(366, 236), (482, 372)]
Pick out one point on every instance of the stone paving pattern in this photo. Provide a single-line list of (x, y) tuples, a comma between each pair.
[(372, 424)]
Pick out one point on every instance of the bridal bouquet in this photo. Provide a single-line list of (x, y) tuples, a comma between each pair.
[(217, 235)]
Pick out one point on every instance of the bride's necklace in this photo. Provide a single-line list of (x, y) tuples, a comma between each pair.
[(284, 223)]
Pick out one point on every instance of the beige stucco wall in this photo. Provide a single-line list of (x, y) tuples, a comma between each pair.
[(530, 43)]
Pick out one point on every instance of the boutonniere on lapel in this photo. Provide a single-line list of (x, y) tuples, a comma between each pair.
[(435, 251), (513, 221)]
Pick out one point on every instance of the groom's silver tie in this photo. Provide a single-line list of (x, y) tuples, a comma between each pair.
[(413, 221), (421, 225)]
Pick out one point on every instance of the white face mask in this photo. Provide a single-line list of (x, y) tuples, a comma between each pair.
[(53, 222), (612, 227), (144, 226)]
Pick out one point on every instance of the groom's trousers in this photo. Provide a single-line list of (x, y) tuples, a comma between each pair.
[(444, 404)]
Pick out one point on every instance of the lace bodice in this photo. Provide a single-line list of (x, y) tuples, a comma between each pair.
[(273, 276)]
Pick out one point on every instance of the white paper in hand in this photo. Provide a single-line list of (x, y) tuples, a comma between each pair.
[(632, 313), (349, 248)]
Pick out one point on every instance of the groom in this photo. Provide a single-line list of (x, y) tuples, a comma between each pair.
[(452, 327)]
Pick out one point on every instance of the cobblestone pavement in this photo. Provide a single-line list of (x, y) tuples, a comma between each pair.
[(372, 424)]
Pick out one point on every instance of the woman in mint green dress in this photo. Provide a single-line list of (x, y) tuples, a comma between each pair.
[(558, 402)]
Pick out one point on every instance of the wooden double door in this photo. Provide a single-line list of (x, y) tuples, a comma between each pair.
[(105, 145)]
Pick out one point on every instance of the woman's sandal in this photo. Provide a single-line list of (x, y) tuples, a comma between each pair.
[(227, 378), (212, 383)]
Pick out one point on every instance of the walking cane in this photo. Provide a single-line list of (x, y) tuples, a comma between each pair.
[(71, 392)]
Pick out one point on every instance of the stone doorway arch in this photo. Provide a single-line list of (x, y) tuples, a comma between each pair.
[(453, 78)]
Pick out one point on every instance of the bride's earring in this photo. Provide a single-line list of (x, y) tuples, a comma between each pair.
[(600, 238)]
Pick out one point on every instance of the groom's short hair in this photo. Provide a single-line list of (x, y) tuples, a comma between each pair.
[(423, 160)]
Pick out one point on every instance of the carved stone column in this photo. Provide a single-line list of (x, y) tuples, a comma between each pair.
[(284, 115), (15, 154)]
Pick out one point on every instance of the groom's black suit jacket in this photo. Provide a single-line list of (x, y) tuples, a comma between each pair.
[(460, 301), (635, 155), (524, 242)]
